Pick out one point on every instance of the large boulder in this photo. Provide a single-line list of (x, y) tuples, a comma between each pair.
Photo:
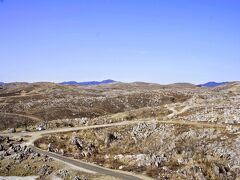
[(1, 147), (109, 138), (77, 142), (12, 130)]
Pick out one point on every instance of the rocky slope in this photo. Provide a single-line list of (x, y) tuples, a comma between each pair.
[(47, 101), (193, 133), (172, 151)]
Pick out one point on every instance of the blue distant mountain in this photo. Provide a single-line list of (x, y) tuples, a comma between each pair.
[(212, 84), (1, 83), (88, 83)]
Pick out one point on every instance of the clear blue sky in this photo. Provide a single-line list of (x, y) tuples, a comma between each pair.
[(162, 41)]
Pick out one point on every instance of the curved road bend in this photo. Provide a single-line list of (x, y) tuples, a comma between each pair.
[(33, 136), (87, 166), (124, 175)]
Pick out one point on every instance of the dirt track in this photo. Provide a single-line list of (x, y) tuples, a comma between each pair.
[(33, 136)]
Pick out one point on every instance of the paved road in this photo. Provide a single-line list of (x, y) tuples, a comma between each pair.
[(33, 136), (89, 166)]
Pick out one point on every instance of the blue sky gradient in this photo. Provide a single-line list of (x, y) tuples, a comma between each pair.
[(126, 40)]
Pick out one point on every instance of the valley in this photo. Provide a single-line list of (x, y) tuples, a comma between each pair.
[(121, 130)]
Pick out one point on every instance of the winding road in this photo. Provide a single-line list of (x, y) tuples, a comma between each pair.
[(31, 137), (91, 167)]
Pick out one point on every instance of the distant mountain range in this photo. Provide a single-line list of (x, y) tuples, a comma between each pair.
[(212, 84), (108, 81), (88, 83)]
